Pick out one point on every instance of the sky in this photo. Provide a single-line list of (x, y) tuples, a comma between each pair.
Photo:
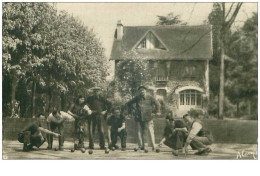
[(103, 17)]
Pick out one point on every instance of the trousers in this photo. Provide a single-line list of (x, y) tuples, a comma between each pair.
[(60, 128), (200, 142), (142, 127), (79, 132), (31, 139), (122, 135), (176, 140), (96, 120)]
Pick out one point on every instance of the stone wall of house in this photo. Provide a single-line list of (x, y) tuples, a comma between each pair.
[(178, 74)]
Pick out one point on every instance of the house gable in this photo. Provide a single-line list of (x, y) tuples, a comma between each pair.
[(150, 41)]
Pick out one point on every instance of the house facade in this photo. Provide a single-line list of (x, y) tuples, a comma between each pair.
[(178, 57)]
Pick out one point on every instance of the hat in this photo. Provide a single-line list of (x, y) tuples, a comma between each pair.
[(142, 87)]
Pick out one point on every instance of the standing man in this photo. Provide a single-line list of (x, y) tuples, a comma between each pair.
[(197, 138), (78, 112), (32, 135), (56, 121), (145, 106), (99, 107)]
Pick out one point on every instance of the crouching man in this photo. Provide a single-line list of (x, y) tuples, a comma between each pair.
[(174, 135), (32, 134), (56, 121), (198, 138), (116, 128)]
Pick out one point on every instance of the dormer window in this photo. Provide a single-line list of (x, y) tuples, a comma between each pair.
[(150, 41), (143, 43)]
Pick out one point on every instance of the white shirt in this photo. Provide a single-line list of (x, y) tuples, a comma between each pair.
[(64, 115), (196, 127)]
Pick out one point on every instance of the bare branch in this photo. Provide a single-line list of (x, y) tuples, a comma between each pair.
[(223, 11), (229, 10), (192, 11), (234, 15)]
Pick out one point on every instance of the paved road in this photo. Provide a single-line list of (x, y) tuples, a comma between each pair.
[(13, 150)]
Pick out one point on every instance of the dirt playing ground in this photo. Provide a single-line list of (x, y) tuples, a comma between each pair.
[(13, 150)]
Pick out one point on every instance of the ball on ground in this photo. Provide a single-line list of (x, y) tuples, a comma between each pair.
[(113, 148), (56, 149), (83, 150), (72, 150), (90, 152), (157, 150), (135, 149), (146, 151), (106, 151)]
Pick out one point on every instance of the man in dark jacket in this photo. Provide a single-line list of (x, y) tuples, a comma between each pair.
[(175, 134), (145, 106), (78, 112), (99, 107)]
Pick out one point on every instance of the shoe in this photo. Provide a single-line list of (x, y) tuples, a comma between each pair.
[(91, 147), (49, 148), (103, 148), (123, 149), (76, 147), (204, 151), (175, 153), (61, 148), (80, 146), (25, 148), (30, 147), (116, 147), (141, 148)]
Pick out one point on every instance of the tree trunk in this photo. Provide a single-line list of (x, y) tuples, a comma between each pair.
[(249, 106), (238, 112), (13, 91), (221, 84), (33, 98), (63, 101), (49, 101)]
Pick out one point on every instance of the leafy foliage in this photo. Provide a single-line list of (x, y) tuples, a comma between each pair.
[(170, 19), (51, 50), (131, 74), (242, 82), (241, 69)]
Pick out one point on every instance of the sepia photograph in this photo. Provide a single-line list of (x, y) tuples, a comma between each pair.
[(129, 81)]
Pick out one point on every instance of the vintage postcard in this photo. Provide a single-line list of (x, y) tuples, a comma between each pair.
[(132, 81)]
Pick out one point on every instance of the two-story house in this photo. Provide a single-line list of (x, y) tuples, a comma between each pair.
[(179, 57)]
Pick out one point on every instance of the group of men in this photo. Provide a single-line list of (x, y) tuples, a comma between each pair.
[(98, 112)]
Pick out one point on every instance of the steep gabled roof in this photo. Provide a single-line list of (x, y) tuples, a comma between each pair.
[(144, 36), (182, 42)]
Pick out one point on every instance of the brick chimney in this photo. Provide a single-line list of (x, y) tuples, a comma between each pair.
[(119, 30)]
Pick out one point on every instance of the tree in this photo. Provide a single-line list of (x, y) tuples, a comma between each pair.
[(225, 19), (170, 19), (51, 53), (242, 74), (131, 73), (22, 47)]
